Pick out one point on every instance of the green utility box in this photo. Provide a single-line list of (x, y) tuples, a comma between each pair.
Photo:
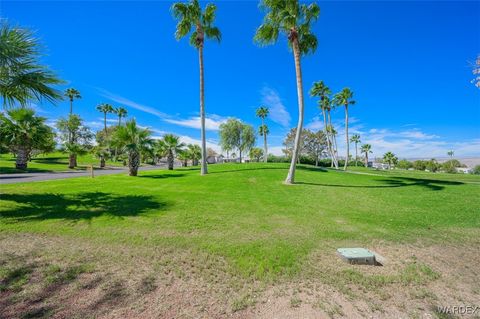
[(357, 256)]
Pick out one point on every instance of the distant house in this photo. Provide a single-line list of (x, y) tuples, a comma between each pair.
[(378, 165), (215, 159), (464, 170)]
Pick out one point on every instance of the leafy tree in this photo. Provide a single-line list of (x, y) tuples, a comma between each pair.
[(105, 108), (419, 165), (476, 170), (289, 143), (190, 17), (195, 153), (390, 159), (315, 144), (432, 165), (172, 147), (256, 153), (236, 135), (22, 132), (404, 164), (262, 112), (294, 20), (76, 138), (345, 98), (121, 113), (72, 94), (451, 165), (133, 140), (22, 77)]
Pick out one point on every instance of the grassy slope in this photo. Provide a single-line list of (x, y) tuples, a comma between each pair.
[(50, 162), (245, 214)]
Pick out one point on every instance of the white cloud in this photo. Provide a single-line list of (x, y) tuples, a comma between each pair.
[(124, 101), (212, 123), (417, 134), (210, 143), (278, 111)]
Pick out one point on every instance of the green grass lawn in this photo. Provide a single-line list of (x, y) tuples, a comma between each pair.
[(52, 162), (245, 216)]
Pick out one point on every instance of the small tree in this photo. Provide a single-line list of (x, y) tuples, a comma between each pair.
[(256, 153), (390, 159), (194, 153), (366, 149), (172, 147), (133, 140), (404, 164), (315, 144), (75, 137), (236, 135), (22, 132)]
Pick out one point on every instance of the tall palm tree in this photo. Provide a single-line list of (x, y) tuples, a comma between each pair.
[(344, 98), (172, 147), (262, 112), (365, 149), (105, 108), (121, 112), (133, 140), (356, 139), (190, 17), (294, 20), (321, 90), (23, 78), (72, 94), (333, 134)]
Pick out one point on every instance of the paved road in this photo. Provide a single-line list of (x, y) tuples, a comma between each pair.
[(34, 177)]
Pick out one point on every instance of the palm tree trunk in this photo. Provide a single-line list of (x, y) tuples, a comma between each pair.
[(333, 143), (133, 163), (21, 160), (346, 137), (265, 149), (356, 154), (71, 106), (170, 160), (327, 135), (298, 70), (105, 123), (102, 161), (72, 160), (366, 159), (203, 169)]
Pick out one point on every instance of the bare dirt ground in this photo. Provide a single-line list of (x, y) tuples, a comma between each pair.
[(53, 277)]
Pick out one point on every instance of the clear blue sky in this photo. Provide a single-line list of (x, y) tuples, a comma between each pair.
[(407, 63)]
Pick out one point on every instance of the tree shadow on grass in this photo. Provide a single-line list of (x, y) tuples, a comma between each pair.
[(84, 206), (242, 169), (161, 175), (431, 184)]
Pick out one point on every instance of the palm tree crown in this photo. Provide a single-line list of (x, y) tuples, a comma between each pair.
[(105, 108), (72, 94), (344, 98), (22, 77), (320, 89), (355, 139), (121, 112), (262, 112), (291, 18), (190, 16)]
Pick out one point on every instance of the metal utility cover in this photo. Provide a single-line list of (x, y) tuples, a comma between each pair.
[(359, 256)]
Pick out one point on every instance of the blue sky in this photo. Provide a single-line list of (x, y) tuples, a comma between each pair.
[(407, 63)]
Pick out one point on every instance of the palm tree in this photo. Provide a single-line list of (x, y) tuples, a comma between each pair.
[(23, 78), (190, 17), (366, 148), (356, 139), (450, 153), (133, 140), (390, 158), (72, 94), (345, 98), (184, 156), (262, 112), (22, 131), (105, 108), (321, 90), (294, 20), (172, 147), (121, 112), (195, 153)]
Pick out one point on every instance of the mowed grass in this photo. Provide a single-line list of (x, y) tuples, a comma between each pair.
[(244, 214), (52, 162)]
